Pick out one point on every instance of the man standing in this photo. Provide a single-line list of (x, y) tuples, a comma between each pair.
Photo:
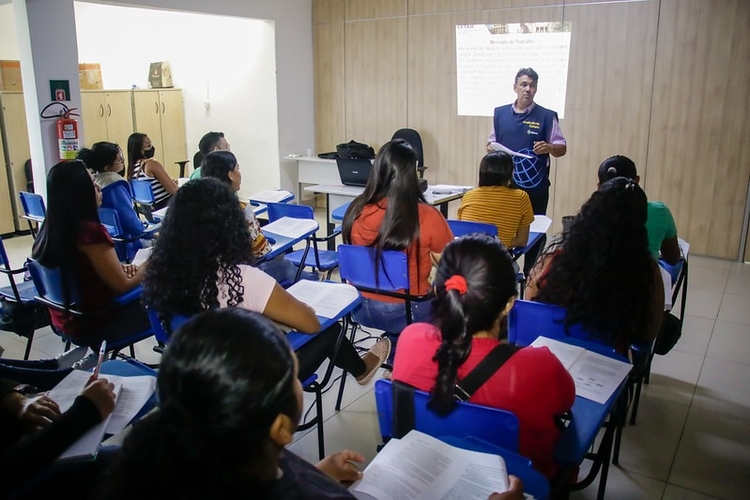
[(527, 128), (212, 141)]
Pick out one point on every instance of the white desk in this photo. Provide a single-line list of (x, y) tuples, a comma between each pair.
[(314, 170), (338, 194)]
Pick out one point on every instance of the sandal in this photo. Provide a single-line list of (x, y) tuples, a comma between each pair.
[(380, 351)]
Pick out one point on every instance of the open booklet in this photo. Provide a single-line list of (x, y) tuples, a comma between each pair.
[(327, 299), (271, 196), (291, 227), (132, 393), (596, 376), (499, 147), (422, 467)]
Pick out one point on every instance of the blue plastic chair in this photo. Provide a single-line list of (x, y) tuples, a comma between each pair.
[(499, 427), (143, 198), (26, 315), (529, 320), (49, 287), (126, 248), (34, 210), (319, 260), (464, 227)]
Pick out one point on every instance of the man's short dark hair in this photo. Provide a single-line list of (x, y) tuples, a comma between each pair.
[(527, 72), (209, 141)]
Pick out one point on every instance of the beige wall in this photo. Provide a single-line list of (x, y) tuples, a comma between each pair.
[(661, 81)]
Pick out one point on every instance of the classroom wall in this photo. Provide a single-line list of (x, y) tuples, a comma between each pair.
[(240, 92), (8, 41), (661, 81)]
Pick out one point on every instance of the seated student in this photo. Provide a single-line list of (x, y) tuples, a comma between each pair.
[(202, 261), (108, 164), (33, 433), (141, 165), (222, 165), (229, 405), (497, 201), (660, 226), (601, 269), (73, 240), (392, 214), (212, 141), (475, 288)]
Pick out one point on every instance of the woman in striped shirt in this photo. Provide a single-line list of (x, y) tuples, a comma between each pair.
[(141, 165)]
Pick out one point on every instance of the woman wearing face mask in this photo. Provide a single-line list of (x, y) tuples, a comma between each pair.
[(141, 165), (105, 159)]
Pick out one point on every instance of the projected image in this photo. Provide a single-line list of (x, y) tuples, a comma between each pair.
[(489, 55)]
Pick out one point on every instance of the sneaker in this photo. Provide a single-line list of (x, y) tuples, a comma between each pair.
[(86, 363), (69, 358), (376, 356)]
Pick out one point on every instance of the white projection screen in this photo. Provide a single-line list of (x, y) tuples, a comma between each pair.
[(489, 55)]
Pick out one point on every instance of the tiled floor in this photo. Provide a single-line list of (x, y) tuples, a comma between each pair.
[(692, 439)]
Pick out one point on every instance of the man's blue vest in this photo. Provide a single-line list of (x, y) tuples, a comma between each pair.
[(519, 131)]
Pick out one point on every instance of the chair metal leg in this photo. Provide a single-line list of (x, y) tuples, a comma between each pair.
[(342, 383), (30, 337), (132, 351)]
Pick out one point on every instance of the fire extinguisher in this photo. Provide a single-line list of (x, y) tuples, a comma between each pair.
[(68, 141)]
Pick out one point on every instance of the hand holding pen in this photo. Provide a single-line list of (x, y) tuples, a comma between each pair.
[(100, 391)]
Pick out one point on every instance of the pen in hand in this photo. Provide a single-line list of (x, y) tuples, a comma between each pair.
[(102, 350)]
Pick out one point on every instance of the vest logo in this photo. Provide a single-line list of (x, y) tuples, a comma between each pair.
[(532, 132)]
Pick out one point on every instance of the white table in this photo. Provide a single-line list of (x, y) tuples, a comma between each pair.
[(338, 194), (314, 170)]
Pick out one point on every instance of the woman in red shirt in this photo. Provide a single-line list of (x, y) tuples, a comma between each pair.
[(392, 214), (474, 292), (73, 240)]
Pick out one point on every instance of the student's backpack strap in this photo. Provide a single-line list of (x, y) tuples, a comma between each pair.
[(464, 389)]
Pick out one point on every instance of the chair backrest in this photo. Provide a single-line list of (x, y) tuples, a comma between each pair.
[(357, 267), (498, 427), (4, 262), (33, 205), (111, 221), (278, 210), (161, 334), (464, 227), (142, 191), (415, 141), (49, 284), (528, 320)]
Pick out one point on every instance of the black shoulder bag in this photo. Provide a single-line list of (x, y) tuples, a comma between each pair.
[(481, 373)]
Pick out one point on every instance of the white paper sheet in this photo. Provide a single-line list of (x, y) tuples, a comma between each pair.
[(290, 227), (499, 147), (328, 299)]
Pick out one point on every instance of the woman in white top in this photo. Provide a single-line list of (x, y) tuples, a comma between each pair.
[(141, 165), (202, 260)]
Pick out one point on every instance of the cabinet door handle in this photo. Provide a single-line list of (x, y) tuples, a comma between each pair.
[(157, 107), (163, 109), (109, 110), (101, 109)]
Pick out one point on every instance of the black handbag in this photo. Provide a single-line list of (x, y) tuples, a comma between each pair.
[(354, 150), (670, 333)]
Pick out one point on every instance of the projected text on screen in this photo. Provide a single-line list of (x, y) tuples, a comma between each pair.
[(489, 55)]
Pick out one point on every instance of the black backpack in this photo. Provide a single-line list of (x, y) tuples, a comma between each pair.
[(354, 150)]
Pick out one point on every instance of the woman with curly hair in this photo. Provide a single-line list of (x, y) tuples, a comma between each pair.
[(229, 403), (475, 288), (202, 260), (601, 269)]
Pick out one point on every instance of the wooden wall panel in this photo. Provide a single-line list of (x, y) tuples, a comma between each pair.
[(608, 98), (375, 79), (661, 81), (699, 163), (327, 11), (328, 47), (417, 7), (356, 10)]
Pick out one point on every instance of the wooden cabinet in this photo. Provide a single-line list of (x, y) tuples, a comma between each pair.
[(160, 114), (16, 144), (107, 116)]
